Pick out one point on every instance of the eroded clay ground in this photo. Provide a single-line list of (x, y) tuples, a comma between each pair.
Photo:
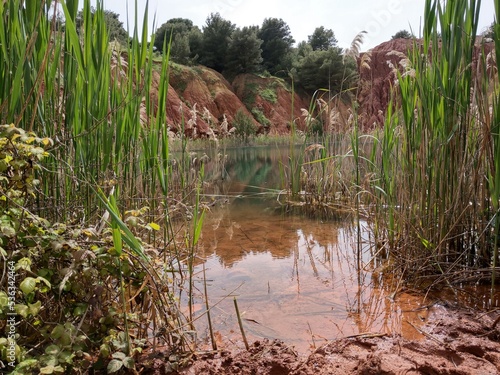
[(456, 342)]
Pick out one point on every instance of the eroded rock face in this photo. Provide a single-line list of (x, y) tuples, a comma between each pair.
[(204, 103), (272, 98), (376, 79)]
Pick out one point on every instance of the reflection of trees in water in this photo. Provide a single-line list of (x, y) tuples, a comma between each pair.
[(235, 230), (233, 235), (247, 170)]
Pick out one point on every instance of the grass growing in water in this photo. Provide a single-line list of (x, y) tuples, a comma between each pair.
[(439, 210)]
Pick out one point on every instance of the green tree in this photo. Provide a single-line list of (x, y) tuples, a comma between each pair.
[(114, 26), (322, 70), (322, 39), (303, 49), (216, 38), (181, 30), (244, 53), (244, 125), (277, 45), (403, 34)]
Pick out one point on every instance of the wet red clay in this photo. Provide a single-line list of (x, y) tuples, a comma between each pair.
[(456, 342)]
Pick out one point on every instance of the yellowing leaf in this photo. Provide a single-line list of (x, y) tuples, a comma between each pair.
[(47, 141), (154, 226)]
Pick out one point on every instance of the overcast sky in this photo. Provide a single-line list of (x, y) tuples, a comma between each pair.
[(380, 18)]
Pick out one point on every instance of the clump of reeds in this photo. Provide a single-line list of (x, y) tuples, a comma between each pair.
[(92, 98), (437, 184)]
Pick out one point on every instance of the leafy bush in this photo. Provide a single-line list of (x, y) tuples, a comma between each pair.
[(69, 281), (261, 117), (245, 128), (269, 94)]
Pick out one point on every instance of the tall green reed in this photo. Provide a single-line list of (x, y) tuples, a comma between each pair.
[(494, 175), (432, 183), (93, 98)]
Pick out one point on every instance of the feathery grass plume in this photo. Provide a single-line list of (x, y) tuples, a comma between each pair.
[(354, 49), (365, 61)]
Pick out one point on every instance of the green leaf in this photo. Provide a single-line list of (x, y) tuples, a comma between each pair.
[(7, 230), (21, 310), (104, 350), (4, 300), (27, 364), (47, 370), (52, 350), (129, 362), (66, 357), (117, 241), (128, 236), (28, 285), (24, 264), (197, 231), (57, 332), (34, 308), (43, 280), (119, 355), (114, 365), (51, 369), (79, 310)]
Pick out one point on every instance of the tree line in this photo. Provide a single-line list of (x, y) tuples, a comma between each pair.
[(266, 49)]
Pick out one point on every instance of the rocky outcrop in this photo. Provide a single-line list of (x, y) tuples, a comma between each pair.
[(377, 76), (376, 79), (203, 103), (270, 100)]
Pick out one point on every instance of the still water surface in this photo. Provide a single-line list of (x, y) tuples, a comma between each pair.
[(295, 279)]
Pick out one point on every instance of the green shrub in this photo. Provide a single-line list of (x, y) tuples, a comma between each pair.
[(245, 127), (261, 117), (65, 280), (269, 94)]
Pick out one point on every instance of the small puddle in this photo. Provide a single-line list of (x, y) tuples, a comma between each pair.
[(295, 279)]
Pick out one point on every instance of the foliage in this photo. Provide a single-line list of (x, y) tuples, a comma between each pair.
[(260, 117), (245, 128), (403, 34), (216, 40), (322, 70), (437, 150), (269, 94), (277, 43), (75, 267), (244, 53), (114, 26), (322, 39), (183, 33)]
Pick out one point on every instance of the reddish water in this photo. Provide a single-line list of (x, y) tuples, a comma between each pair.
[(295, 279)]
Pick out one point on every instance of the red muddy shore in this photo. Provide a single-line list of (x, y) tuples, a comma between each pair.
[(456, 341)]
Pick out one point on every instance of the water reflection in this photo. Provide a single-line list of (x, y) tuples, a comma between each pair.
[(295, 279)]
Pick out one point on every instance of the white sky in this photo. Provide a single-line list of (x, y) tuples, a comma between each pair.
[(380, 18)]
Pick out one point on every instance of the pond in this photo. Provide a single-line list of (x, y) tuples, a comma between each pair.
[(304, 281)]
